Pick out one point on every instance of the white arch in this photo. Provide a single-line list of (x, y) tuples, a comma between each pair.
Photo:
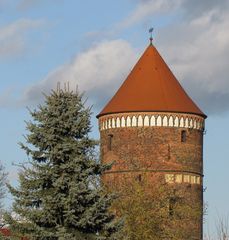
[(171, 121), (118, 122), (113, 123), (123, 122), (159, 121), (176, 122), (186, 122), (194, 125), (165, 121), (128, 122), (191, 123), (152, 121), (140, 121), (146, 121), (182, 122), (106, 123), (134, 121), (109, 123)]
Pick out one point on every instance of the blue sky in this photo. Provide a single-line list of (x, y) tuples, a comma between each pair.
[(94, 44)]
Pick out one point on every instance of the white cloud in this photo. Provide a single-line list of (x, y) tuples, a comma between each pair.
[(196, 48), (98, 71), (198, 52), (24, 4), (145, 10), (27, 4), (148, 8), (12, 36)]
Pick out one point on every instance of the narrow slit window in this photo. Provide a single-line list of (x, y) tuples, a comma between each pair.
[(169, 152), (183, 136), (110, 137), (172, 202)]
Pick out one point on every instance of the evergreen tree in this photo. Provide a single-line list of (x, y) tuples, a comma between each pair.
[(3, 176), (58, 196)]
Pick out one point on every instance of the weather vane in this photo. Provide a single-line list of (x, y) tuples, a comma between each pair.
[(151, 35)]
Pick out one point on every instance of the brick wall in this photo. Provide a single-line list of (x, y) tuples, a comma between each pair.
[(138, 150)]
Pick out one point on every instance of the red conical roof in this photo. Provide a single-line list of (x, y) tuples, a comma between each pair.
[(151, 87)]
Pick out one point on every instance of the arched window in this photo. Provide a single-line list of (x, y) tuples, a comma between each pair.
[(183, 136), (139, 178)]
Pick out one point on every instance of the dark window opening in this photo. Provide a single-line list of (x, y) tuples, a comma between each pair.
[(110, 137), (183, 136), (138, 178), (169, 156), (172, 202)]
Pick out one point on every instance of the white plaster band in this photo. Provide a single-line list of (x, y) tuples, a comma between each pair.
[(152, 120)]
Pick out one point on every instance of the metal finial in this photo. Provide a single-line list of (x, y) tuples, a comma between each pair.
[(151, 35)]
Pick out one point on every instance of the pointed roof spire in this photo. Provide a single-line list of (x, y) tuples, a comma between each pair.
[(151, 87)]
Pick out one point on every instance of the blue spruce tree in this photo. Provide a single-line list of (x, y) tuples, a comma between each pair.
[(58, 196)]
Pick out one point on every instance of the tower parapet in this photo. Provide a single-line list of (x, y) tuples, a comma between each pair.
[(151, 119)]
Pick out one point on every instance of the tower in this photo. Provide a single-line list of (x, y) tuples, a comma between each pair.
[(151, 125)]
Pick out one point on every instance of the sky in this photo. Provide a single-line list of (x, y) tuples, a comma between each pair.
[(94, 45)]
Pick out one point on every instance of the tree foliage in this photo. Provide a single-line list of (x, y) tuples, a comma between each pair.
[(2, 185), (58, 196), (154, 210), (221, 230), (3, 176)]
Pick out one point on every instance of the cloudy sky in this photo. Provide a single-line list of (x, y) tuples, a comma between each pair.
[(94, 45)]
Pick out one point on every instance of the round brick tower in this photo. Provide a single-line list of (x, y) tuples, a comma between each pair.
[(152, 126)]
